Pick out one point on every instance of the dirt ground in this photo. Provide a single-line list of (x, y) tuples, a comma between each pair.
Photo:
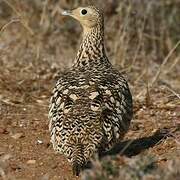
[(25, 151), (28, 70)]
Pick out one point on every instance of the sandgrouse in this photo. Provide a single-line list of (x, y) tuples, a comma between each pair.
[(91, 104)]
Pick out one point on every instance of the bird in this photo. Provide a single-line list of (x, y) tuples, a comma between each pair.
[(91, 106)]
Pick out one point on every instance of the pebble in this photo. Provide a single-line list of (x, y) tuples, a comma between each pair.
[(10, 146), (5, 157), (17, 136), (15, 167), (39, 141), (32, 161), (3, 130), (20, 125)]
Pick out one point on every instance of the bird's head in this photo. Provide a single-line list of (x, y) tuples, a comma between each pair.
[(89, 17)]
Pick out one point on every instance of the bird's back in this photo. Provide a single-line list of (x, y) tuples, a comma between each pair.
[(90, 110)]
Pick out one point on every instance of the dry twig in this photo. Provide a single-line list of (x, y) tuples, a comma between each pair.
[(22, 20), (157, 75), (9, 23)]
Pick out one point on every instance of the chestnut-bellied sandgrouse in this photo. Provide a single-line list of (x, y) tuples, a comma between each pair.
[(91, 105)]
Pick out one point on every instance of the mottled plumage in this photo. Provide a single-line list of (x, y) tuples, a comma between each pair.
[(91, 105)]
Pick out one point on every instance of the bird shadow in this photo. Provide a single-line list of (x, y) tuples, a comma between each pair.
[(134, 147)]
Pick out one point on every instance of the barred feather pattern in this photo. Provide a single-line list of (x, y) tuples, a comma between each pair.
[(91, 104)]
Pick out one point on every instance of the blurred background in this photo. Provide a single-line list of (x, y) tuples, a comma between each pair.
[(37, 43)]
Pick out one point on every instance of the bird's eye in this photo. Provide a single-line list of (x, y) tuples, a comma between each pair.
[(84, 11)]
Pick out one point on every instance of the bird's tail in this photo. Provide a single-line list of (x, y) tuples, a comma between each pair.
[(78, 160)]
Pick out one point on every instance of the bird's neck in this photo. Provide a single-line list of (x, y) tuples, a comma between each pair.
[(92, 50)]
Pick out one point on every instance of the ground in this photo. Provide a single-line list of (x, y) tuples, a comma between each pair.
[(29, 65)]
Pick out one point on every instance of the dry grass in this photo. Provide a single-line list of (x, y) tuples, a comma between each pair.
[(142, 39)]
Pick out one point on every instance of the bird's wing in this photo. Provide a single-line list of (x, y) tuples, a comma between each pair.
[(117, 109), (59, 101)]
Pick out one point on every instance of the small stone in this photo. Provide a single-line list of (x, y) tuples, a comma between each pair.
[(32, 161), (54, 166), (5, 157), (3, 131), (39, 141), (17, 136), (154, 130), (15, 167), (11, 146), (1, 152)]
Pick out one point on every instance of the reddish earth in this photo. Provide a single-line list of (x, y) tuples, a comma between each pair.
[(25, 151)]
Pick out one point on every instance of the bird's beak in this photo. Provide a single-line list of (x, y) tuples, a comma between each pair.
[(67, 13)]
